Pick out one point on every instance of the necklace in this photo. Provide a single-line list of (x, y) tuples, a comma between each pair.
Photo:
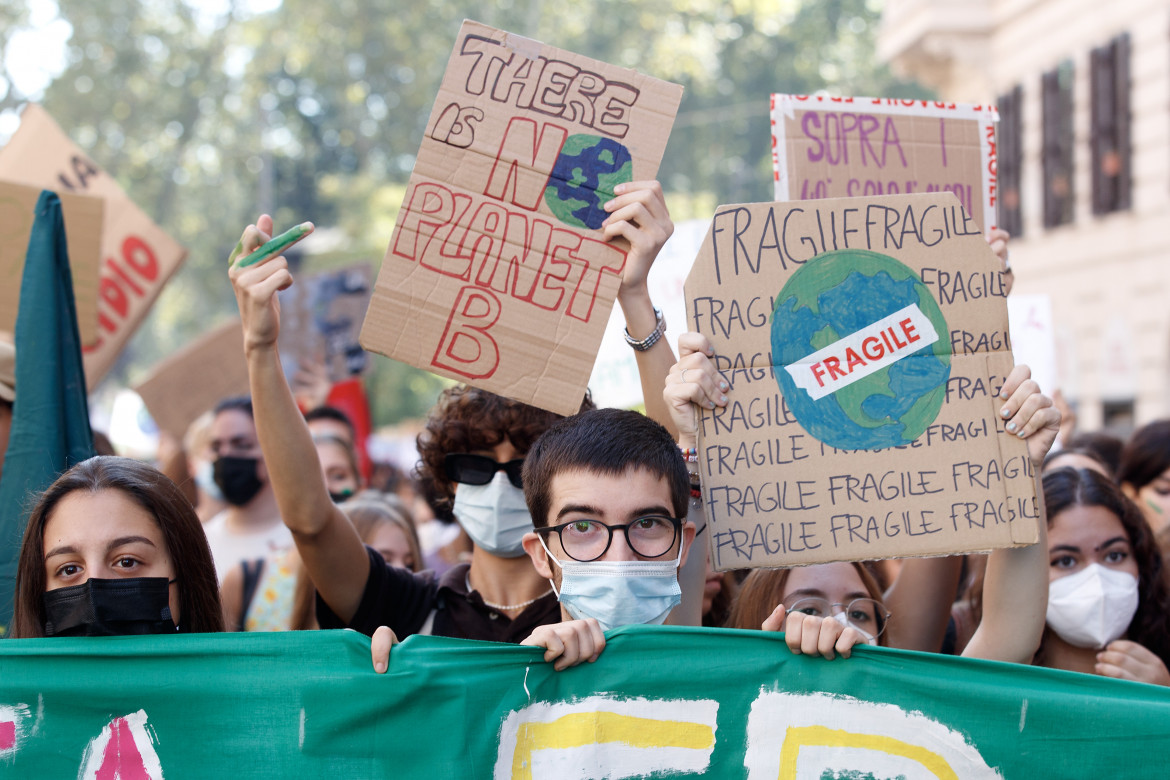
[(505, 607)]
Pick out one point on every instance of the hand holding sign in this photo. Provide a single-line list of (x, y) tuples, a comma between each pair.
[(1029, 414), (693, 381), (638, 214), (256, 285)]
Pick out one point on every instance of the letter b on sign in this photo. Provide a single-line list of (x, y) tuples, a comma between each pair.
[(466, 347)]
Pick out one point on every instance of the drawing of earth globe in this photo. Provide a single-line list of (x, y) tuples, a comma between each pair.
[(838, 294), (583, 178)]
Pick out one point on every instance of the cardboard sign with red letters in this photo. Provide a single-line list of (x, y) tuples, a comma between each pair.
[(498, 273), (138, 256)]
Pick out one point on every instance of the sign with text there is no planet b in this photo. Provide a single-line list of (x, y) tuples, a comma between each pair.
[(498, 273), (866, 342), (855, 147)]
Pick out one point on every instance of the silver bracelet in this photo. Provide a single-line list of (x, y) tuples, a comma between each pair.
[(652, 339)]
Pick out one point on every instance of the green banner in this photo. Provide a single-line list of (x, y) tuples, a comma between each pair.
[(662, 702)]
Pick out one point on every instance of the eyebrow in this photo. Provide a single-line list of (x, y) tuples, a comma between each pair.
[(1110, 543), (1064, 548), (587, 509), (807, 592), (68, 549)]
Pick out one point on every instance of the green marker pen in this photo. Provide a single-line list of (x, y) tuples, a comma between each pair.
[(276, 245)]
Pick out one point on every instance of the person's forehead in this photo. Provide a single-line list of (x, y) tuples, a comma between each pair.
[(834, 580), (325, 426), (231, 423), (612, 495), (1085, 527), (84, 519), (331, 454)]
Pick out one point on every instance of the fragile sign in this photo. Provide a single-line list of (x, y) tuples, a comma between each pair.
[(138, 257), (498, 273), (865, 341), (850, 147)]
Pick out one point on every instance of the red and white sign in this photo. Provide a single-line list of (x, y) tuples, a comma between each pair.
[(138, 257), (860, 354)]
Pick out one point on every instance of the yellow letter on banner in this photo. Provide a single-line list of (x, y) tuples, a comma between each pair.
[(588, 728), (607, 736), (820, 736)]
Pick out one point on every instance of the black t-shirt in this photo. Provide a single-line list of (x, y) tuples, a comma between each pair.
[(403, 600)]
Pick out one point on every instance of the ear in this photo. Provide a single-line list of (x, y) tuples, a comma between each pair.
[(1129, 491), (537, 555), (688, 536)]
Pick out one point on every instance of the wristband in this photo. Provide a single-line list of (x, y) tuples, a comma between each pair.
[(652, 339)]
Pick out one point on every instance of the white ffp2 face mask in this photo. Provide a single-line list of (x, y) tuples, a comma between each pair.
[(619, 593), (1092, 607), (870, 639), (494, 515)]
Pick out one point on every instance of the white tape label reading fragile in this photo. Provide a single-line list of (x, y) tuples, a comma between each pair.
[(863, 352)]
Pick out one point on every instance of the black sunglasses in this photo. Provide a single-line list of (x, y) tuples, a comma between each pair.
[(468, 469)]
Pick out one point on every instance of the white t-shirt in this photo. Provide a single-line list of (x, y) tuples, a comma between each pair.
[(228, 548)]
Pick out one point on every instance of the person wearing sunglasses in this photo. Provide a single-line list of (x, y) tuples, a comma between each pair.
[(497, 595)]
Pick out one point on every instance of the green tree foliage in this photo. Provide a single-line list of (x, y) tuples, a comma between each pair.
[(315, 111)]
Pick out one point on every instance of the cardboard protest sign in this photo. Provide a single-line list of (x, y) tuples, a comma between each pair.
[(497, 273), (83, 234), (139, 257), (865, 341), (825, 147), (320, 317), (192, 380)]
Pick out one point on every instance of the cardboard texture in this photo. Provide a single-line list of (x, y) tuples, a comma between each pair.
[(853, 147), (138, 257), (320, 317), (865, 341), (497, 274), (194, 379), (83, 233)]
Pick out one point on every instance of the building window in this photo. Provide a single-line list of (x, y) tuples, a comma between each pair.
[(1010, 159), (1109, 122), (1056, 95)]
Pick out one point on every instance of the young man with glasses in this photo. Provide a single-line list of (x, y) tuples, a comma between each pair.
[(608, 493)]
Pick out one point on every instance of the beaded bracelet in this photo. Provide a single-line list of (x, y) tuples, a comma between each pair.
[(652, 339)]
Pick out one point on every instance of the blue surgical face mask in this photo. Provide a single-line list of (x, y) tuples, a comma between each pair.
[(619, 593), (494, 515)]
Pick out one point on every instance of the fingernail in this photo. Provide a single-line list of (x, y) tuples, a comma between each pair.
[(710, 404), (722, 399), (1005, 412), (1020, 434), (1011, 427), (619, 189), (723, 386), (379, 667)]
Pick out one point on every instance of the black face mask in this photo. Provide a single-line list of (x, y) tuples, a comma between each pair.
[(136, 605), (237, 478), (342, 497)]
